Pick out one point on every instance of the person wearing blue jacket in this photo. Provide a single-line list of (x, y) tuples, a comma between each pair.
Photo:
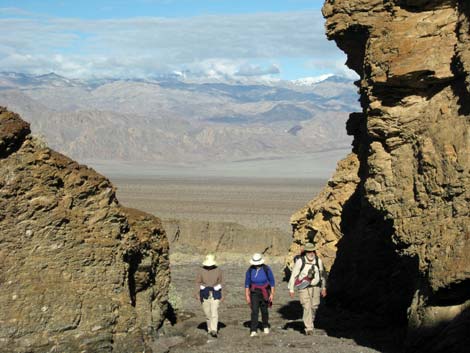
[(259, 292)]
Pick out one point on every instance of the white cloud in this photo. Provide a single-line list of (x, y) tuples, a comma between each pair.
[(221, 45), (337, 67), (256, 70)]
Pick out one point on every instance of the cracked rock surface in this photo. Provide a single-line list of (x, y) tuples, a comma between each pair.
[(78, 271), (393, 222)]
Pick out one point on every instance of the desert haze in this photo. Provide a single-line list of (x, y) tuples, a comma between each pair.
[(169, 120)]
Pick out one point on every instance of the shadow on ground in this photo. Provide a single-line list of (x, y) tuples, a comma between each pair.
[(292, 312), (365, 330), (203, 326)]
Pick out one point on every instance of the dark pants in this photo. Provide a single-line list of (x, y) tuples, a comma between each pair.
[(258, 303)]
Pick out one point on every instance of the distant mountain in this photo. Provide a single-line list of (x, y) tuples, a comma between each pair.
[(171, 120), (310, 81)]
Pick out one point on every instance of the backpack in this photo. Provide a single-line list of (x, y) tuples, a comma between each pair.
[(313, 276)]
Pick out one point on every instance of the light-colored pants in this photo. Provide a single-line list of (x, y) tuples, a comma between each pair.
[(211, 307), (310, 299)]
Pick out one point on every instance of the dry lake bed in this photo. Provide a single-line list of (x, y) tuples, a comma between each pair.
[(252, 202)]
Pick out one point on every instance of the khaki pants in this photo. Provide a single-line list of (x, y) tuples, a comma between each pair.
[(310, 299), (211, 307)]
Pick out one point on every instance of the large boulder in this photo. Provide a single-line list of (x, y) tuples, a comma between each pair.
[(402, 238), (78, 272)]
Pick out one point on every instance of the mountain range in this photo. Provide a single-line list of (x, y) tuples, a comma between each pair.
[(173, 120)]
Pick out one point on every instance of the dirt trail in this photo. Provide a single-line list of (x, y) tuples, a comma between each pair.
[(189, 333)]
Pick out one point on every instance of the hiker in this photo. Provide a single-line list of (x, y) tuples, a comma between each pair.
[(308, 277), (259, 292), (210, 286)]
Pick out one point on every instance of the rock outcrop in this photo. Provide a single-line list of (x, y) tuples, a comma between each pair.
[(201, 237), (78, 272), (403, 234), (320, 220)]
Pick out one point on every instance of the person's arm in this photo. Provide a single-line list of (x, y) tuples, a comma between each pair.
[(322, 278), (293, 276), (247, 287), (272, 283), (221, 282), (198, 285)]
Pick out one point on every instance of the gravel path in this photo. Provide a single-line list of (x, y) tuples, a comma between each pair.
[(189, 333)]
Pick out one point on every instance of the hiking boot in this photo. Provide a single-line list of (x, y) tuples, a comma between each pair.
[(266, 330), (309, 332), (253, 334)]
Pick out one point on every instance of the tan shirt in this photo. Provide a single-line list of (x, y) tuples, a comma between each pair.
[(210, 278)]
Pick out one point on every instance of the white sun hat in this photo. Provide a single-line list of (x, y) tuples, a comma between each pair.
[(209, 260), (257, 259)]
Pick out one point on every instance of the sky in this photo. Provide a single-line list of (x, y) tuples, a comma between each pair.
[(216, 39)]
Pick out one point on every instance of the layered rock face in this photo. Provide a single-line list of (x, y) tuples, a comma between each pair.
[(403, 234), (78, 272), (200, 237)]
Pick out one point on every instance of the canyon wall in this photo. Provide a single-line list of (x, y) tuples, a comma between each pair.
[(202, 237), (78, 272), (393, 222)]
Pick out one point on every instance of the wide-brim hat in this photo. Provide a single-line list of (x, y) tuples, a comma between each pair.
[(209, 261), (257, 259), (309, 247)]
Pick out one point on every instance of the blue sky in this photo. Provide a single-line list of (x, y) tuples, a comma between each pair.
[(219, 39)]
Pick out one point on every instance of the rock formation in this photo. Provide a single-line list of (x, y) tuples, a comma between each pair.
[(78, 272), (199, 237), (399, 216), (320, 220)]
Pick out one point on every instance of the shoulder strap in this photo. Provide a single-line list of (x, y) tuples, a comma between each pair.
[(303, 264), (265, 269)]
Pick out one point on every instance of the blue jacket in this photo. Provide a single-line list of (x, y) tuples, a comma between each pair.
[(259, 276)]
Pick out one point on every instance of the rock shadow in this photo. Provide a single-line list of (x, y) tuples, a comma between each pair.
[(450, 336), (365, 329), (370, 286)]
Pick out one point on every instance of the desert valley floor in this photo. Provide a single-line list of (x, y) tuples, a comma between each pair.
[(252, 202)]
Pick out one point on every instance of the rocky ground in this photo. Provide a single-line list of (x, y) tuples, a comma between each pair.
[(188, 334)]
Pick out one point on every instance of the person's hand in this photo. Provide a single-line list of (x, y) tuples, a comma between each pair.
[(323, 292), (271, 297), (292, 294), (248, 300)]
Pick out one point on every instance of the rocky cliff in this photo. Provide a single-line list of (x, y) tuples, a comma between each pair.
[(201, 237), (78, 272), (397, 210)]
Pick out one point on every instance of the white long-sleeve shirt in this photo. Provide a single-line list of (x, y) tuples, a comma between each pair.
[(318, 272)]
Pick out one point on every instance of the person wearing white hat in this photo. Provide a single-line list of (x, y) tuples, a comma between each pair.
[(209, 286), (259, 292), (309, 279)]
